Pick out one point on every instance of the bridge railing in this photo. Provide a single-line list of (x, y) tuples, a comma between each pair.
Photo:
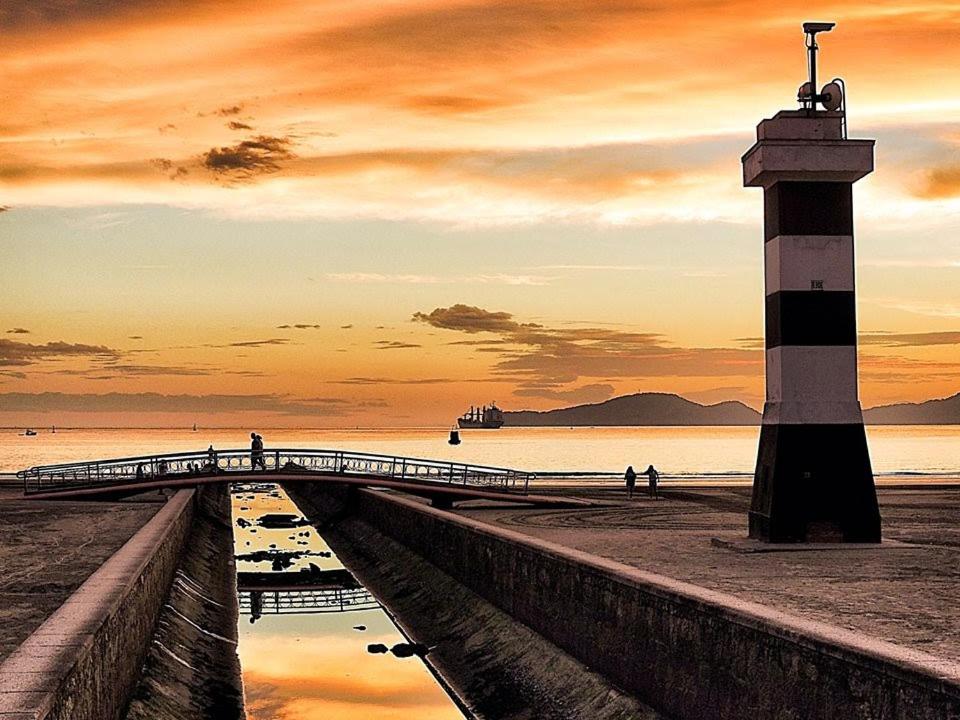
[(296, 602), (292, 461)]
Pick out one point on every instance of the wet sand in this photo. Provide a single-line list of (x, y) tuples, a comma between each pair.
[(903, 592), (48, 549)]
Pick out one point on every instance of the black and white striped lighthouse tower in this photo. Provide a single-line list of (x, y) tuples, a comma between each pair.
[(813, 479)]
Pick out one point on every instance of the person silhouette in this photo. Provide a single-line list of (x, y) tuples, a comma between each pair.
[(256, 452), (653, 480), (630, 478)]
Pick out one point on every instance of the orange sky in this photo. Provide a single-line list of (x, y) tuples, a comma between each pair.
[(533, 202)]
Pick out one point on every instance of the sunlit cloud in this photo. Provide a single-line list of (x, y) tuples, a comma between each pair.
[(20, 353), (545, 361)]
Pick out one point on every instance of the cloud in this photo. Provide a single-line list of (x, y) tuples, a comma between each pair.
[(254, 343), (18, 331), (259, 155), (298, 326), (921, 339), (941, 183), (114, 402), (395, 345), (469, 319), (414, 279), (171, 169), (346, 327), (235, 125), (548, 360), (4, 208), (118, 371), (18, 353), (595, 392), (390, 381), (229, 110), (135, 337)]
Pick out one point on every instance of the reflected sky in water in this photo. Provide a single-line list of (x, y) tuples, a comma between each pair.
[(316, 666)]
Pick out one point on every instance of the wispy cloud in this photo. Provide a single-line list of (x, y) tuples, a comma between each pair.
[(917, 339), (299, 326), (114, 402), (395, 345), (414, 279), (18, 331), (254, 343)]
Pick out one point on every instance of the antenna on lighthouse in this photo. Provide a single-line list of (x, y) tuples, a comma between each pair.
[(807, 95)]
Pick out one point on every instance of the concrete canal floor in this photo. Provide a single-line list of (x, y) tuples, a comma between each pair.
[(903, 592), (48, 549)]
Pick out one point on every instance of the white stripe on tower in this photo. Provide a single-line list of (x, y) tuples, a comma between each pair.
[(794, 261)]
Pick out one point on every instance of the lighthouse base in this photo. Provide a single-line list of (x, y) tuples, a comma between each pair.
[(814, 483)]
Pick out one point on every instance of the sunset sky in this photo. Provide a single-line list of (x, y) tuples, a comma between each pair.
[(380, 213)]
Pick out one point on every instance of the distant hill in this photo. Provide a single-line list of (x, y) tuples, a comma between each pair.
[(640, 409), (932, 412)]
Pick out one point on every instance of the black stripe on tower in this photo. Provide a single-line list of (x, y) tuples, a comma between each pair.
[(808, 208), (811, 317)]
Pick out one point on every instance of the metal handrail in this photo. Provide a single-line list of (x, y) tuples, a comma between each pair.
[(149, 468)]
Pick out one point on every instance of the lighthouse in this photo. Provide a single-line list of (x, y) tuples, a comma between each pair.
[(813, 479)]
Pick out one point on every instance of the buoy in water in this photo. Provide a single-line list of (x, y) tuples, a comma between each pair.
[(454, 437)]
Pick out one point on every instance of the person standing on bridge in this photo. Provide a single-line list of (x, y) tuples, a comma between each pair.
[(211, 460)]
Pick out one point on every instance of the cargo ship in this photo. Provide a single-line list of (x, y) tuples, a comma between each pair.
[(489, 418)]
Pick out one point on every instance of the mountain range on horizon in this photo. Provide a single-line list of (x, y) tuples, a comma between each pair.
[(659, 409)]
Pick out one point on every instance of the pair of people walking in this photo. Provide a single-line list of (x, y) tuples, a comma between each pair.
[(653, 480)]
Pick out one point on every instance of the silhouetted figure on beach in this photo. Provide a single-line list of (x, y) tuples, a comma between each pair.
[(653, 479), (630, 478), (211, 460), (256, 452)]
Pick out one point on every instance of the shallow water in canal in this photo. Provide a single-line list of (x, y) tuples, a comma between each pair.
[(306, 652)]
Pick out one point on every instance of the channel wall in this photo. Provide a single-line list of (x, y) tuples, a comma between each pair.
[(684, 650), (83, 662)]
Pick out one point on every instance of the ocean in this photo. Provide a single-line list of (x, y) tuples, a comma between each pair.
[(914, 453)]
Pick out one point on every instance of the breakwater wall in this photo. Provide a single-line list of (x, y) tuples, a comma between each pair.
[(686, 651), (83, 662)]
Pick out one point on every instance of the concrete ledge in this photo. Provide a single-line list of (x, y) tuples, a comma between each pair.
[(685, 650), (83, 662)]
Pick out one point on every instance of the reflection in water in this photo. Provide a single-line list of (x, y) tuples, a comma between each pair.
[(306, 655)]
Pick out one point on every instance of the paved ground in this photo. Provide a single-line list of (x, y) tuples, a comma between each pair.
[(906, 595), (47, 550)]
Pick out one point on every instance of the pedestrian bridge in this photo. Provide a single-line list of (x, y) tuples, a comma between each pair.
[(442, 482)]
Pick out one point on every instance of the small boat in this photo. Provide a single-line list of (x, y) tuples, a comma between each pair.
[(29, 433), (489, 418), (194, 427), (454, 437)]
